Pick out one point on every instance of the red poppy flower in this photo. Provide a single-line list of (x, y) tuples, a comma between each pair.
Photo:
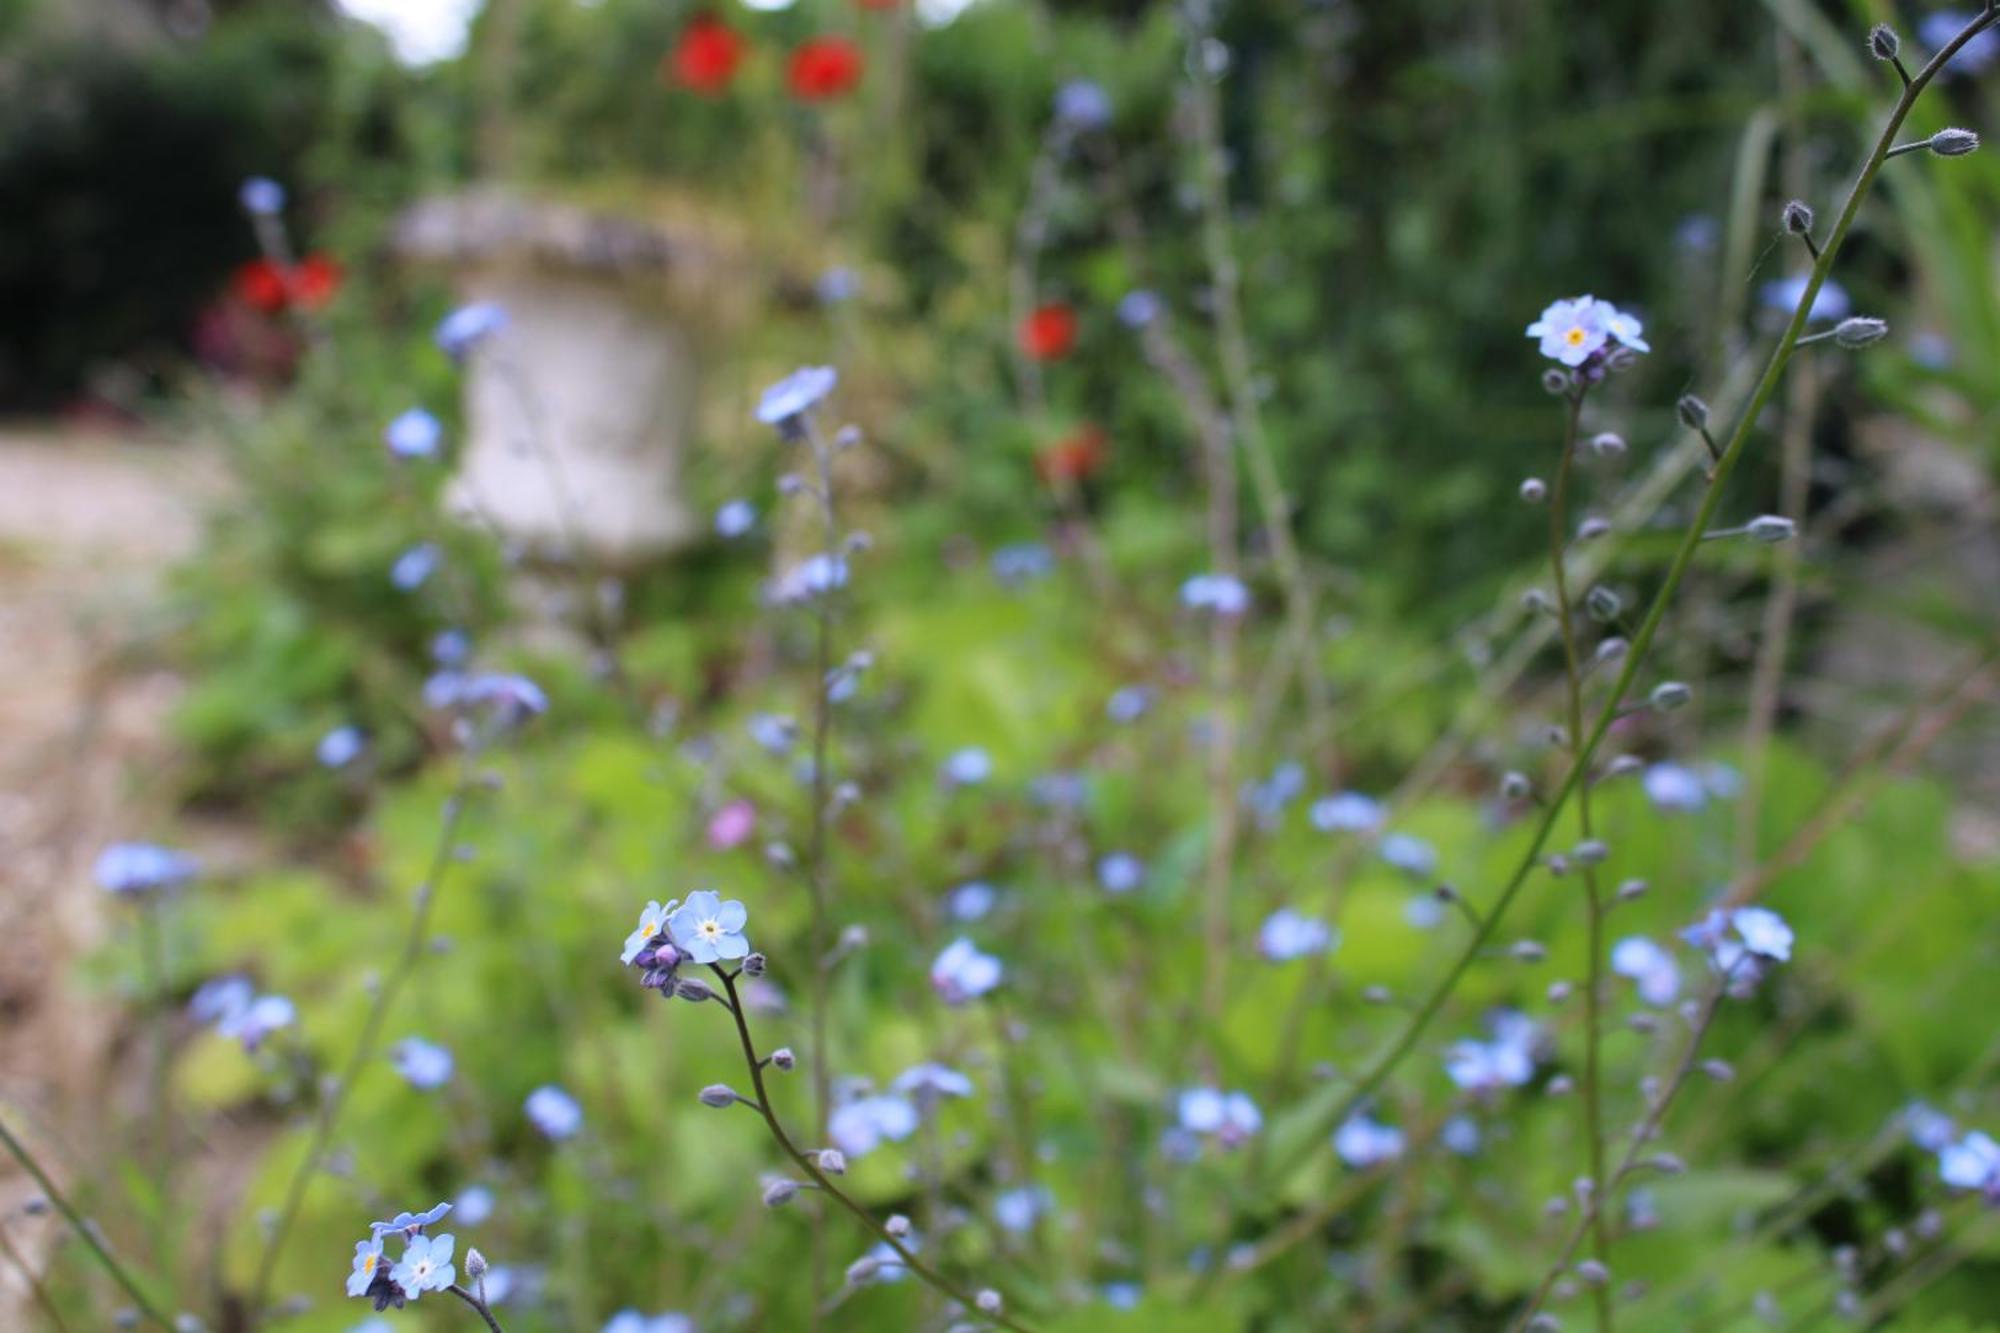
[(261, 286), (1073, 459), (705, 58), (315, 281), (824, 68), (1049, 333)]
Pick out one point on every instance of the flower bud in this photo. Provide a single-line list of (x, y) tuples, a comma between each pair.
[(1860, 331), (1534, 601), (1692, 411), (780, 1192), (1666, 1163), (1555, 381), (693, 989), (1562, 1085), (1770, 529), (1602, 603), (1669, 695), (1631, 889), (1558, 864), (863, 1270), (1591, 529), (783, 1059), (475, 1264), (1953, 142), (753, 966), (1534, 490), (1593, 1272), (1592, 852), (1515, 786), (1612, 649), (1560, 991), (719, 1096), (1882, 42), (1529, 951), (988, 1301), (833, 1161), (1798, 218), (1719, 1070), (897, 1225), (1608, 444)]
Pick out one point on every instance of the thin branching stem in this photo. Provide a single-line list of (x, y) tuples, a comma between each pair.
[(86, 1229), (479, 1307), (1399, 1049), (809, 1164), (1593, 998), (335, 1099)]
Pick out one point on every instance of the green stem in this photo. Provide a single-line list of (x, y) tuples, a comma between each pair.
[(364, 1049), (1406, 1041), (808, 1163), (1593, 1090), (83, 1228)]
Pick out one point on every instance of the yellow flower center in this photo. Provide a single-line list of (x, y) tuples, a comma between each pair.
[(368, 1262), (1575, 336)]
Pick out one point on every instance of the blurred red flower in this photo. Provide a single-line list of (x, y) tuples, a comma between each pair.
[(261, 285), (705, 58), (824, 68), (316, 281), (1049, 333), (1075, 458)]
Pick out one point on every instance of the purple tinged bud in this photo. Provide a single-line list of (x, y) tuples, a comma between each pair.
[(1692, 411), (1593, 1272), (897, 1225), (1555, 381), (988, 1301), (1529, 951), (1562, 1085), (719, 1096), (1858, 331), (1670, 695), (1592, 852), (1602, 603), (475, 1264), (1591, 529), (1630, 889), (863, 1270), (1560, 991), (1770, 529), (833, 1161), (1665, 1163), (1719, 1070), (1798, 218), (783, 1059), (780, 1192), (1608, 444), (753, 966), (693, 989), (1883, 42), (1953, 142), (1534, 490), (1515, 786)]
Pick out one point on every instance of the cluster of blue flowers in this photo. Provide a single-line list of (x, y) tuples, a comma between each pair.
[(424, 1264)]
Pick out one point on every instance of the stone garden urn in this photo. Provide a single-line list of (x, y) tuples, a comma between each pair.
[(580, 409)]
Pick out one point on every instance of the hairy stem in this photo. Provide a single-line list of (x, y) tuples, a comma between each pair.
[(809, 1164), (479, 1307), (1593, 1090)]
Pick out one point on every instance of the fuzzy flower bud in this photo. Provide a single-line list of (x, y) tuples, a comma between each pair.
[(719, 1096), (783, 1059), (1798, 218), (1953, 142), (1631, 889), (1883, 42), (897, 1225), (1591, 853), (1555, 382), (1607, 444), (1534, 490), (1669, 695), (1591, 529), (1860, 330), (1602, 603), (1593, 1272), (780, 1192), (1693, 412), (1770, 529), (754, 965), (988, 1301), (693, 989), (833, 1161), (475, 1264), (1515, 786)]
